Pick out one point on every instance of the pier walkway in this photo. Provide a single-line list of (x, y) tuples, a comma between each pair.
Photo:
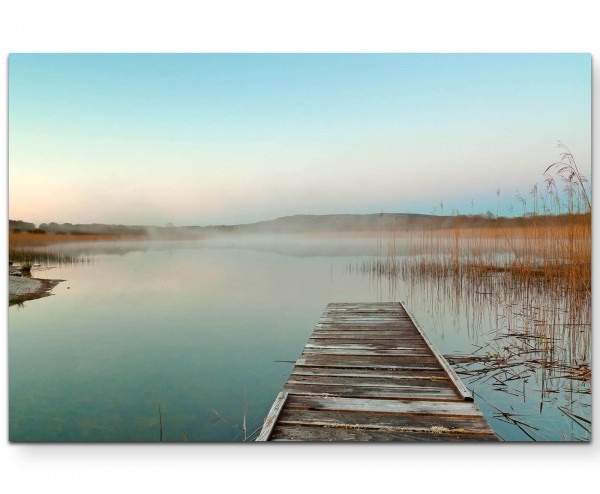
[(369, 373)]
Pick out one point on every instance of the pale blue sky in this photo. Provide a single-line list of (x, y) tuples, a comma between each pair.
[(222, 139)]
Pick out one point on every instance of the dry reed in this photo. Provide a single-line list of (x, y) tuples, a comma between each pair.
[(532, 273)]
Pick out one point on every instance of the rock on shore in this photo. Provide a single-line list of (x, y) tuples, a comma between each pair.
[(21, 289)]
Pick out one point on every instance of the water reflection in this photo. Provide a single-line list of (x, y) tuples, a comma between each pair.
[(208, 330)]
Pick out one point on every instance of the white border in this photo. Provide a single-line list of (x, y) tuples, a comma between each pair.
[(278, 26)]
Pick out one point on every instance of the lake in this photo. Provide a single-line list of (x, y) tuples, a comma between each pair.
[(208, 331)]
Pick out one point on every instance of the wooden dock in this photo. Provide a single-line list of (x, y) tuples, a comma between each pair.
[(369, 373)]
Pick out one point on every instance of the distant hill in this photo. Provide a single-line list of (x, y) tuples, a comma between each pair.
[(330, 223), (388, 222)]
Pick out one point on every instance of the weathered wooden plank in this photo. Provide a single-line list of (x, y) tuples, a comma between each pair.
[(364, 326), (349, 391), (271, 418), (328, 434), (392, 335), (333, 312), (361, 345), (460, 408), (367, 366), (368, 333), (370, 420), (357, 352), (396, 373), (363, 307), (367, 304), (351, 316), (371, 362), (361, 304), (365, 332), (366, 323), (372, 335), (366, 343), (358, 319), (379, 313), (392, 307), (371, 379), (371, 340)]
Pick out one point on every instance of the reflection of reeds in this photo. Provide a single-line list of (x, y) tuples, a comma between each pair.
[(29, 256)]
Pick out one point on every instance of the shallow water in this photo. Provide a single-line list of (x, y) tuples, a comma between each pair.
[(206, 329)]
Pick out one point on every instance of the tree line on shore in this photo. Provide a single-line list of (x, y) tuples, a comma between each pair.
[(309, 223)]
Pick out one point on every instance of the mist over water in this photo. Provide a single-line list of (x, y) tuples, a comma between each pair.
[(210, 329)]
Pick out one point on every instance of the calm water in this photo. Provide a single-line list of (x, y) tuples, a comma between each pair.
[(205, 329)]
